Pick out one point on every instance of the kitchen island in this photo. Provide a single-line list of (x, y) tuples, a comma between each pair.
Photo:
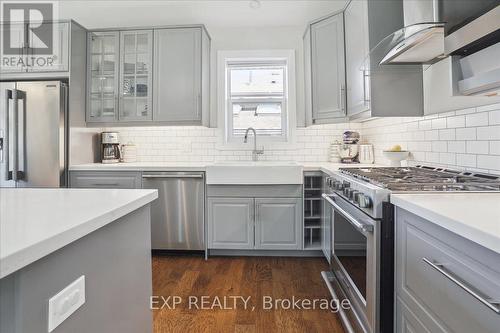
[(50, 238)]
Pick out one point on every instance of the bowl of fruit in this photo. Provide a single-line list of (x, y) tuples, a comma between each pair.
[(395, 155)]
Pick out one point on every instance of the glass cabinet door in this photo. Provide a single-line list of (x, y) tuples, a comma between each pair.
[(135, 75), (103, 77)]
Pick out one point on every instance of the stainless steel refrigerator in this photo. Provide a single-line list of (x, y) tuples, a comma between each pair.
[(33, 134)]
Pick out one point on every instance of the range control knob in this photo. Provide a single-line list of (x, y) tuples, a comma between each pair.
[(364, 201), (337, 185)]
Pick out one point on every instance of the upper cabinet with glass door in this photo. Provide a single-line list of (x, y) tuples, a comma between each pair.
[(136, 57), (102, 102)]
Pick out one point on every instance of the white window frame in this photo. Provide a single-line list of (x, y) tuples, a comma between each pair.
[(225, 59)]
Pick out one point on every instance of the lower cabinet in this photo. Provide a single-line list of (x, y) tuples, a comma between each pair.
[(105, 179), (277, 224), (253, 222), (444, 283), (231, 223)]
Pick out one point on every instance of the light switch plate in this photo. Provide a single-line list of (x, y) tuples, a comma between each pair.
[(65, 302)]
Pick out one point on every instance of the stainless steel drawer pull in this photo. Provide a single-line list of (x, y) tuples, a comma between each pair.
[(492, 305), (108, 184), (173, 176)]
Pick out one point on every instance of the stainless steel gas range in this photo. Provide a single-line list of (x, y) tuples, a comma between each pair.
[(361, 224)]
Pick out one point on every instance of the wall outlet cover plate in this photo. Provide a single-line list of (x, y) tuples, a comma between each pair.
[(66, 302)]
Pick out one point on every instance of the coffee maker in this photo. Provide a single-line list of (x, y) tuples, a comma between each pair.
[(110, 147)]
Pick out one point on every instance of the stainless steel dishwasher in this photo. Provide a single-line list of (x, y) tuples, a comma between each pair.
[(177, 217)]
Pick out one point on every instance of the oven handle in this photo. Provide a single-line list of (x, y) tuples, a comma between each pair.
[(358, 225)]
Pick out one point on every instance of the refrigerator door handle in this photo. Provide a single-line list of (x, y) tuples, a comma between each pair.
[(15, 136), (21, 95), (6, 143)]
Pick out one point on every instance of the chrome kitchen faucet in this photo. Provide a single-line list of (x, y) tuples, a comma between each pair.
[(255, 151)]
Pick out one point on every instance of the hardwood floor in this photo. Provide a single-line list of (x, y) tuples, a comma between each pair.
[(256, 277)]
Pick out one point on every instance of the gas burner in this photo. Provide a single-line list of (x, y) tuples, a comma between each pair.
[(423, 178)]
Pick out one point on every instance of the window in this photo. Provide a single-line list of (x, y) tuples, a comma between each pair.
[(256, 95)]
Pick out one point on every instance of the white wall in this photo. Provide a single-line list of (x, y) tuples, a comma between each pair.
[(264, 38)]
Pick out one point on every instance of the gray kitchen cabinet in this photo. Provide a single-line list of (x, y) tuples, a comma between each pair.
[(444, 283), (105, 179), (257, 217), (179, 76), (278, 223), (136, 59), (356, 50), (60, 48), (102, 76), (375, 90), (231, 223), (29, 57), (156, 76), (325, 63), (16, 33)]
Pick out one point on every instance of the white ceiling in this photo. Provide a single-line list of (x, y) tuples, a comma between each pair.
[(213, 13)]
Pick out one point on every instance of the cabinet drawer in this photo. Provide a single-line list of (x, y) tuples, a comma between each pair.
[(445, 278), (105, 179)]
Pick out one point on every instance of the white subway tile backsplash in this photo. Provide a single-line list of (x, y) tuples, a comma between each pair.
[(460, 139), (494, 117), (466, 160), (495, 147), (470, 140), (438, 123), (447, 134), (490, 107), (456, 146), (465, 111), (488, 133), (457, 121), (447, 158), (477, 147), (476, 119), (439, 146), (465, 133), (432, 135), (488, 162)]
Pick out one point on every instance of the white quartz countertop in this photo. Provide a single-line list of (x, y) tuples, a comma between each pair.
[(199, 166), (37, 222), (475, 216)]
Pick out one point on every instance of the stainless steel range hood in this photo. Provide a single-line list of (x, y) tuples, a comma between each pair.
[(435, 29), (421, 43)]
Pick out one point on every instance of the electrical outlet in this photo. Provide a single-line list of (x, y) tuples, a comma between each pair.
[(65, 302)]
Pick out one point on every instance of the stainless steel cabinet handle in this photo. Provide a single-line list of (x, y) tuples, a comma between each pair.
[(365, 98), (342, 93), (172, 176), (492, 305), (352, 219), (109, 184)]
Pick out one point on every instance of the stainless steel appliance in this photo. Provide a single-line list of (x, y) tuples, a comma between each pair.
[(362, 234), (33, 134), (177, 217), (110, 152), (438, 28)]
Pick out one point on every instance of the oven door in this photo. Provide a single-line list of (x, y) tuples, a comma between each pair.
[(355, 260)]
